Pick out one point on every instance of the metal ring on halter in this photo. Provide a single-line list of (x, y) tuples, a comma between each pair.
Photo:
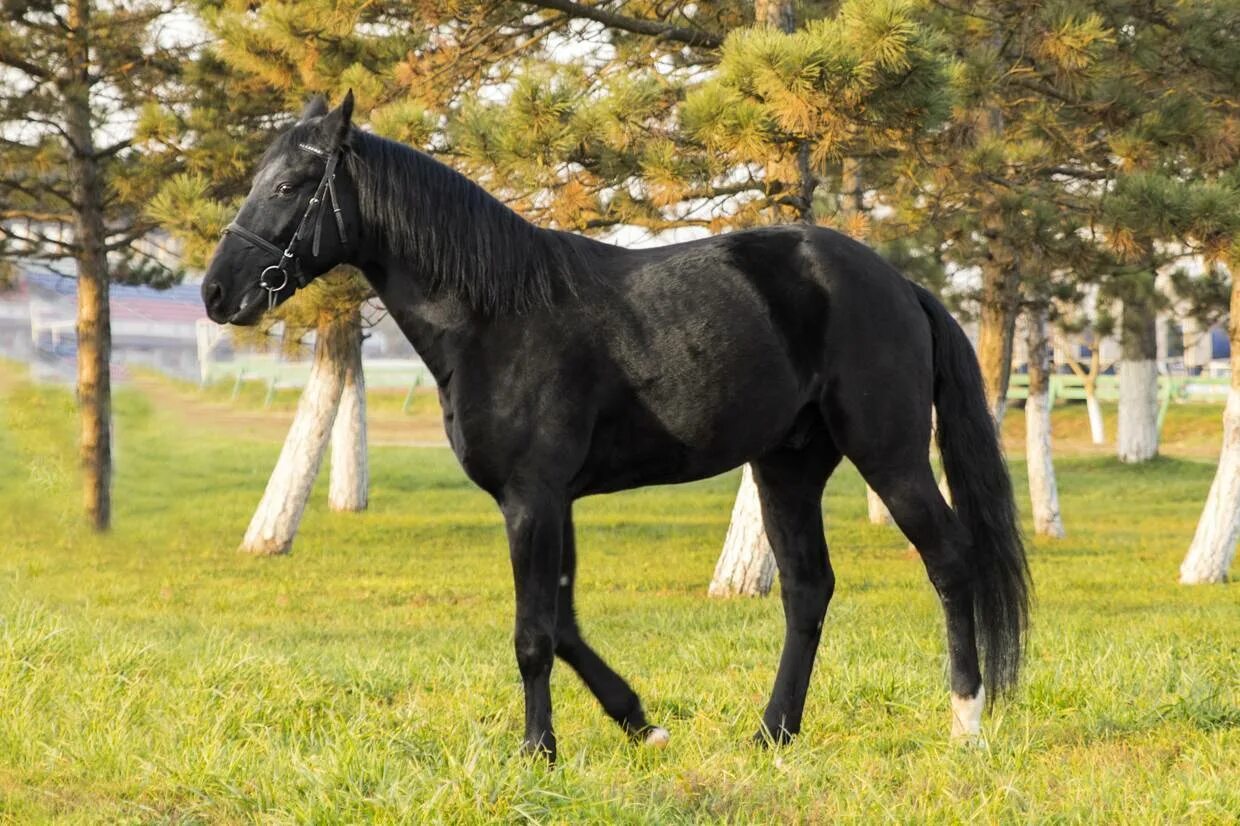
[(262, 278), (271, 291), (313, 213)]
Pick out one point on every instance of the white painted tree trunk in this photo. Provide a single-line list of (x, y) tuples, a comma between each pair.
[(1097, 431), (350, 474), (747, 565), (275, 522), (1137, 439), (1214, 545), (879, 515), (1043, 489)]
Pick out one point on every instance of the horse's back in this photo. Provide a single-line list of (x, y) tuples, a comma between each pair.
[(715, 352), (681, 362)]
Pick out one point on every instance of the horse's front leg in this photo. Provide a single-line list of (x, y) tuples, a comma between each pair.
[(535, 535)]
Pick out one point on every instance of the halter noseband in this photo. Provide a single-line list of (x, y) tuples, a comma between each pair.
[(313, 212)]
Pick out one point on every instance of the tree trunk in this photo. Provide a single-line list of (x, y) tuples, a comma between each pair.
[(350, 474), (94, 330), (747, 566), (1214, 545), (1089, 383), (778, 13), (1097, 430), (1043, 490), (275, 522), (1137, 438), (876, 508), (997, 327)]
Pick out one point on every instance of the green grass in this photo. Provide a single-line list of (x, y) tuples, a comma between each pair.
[(155, 675)]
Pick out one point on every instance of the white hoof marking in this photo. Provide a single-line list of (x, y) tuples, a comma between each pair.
[(967, 716), (657, 738)]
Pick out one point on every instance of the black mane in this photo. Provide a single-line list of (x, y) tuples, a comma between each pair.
[(455, 233)]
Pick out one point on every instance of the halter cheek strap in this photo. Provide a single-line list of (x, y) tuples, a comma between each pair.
[(284, 270)]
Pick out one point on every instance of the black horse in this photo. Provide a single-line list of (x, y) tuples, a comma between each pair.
[(569, 367)]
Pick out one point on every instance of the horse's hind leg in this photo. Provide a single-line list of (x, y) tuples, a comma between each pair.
[(619, 700), (790, 484), (920, 511)]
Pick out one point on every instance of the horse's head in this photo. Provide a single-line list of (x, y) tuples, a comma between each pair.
[(300, 220)]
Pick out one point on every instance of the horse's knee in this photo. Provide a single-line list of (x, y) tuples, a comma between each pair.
[(535, 647)]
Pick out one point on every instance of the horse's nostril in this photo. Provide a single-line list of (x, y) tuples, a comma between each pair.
[(213, 298), (212, 293)]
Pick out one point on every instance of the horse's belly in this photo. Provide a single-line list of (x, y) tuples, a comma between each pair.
[(692, 431)]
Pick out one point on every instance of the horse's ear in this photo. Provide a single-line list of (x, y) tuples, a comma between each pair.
[(316, 107), (337, 122)]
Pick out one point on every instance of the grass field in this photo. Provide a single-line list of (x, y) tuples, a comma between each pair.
[(155, 675)]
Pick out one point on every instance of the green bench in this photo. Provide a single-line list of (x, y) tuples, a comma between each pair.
[(1071, 387)]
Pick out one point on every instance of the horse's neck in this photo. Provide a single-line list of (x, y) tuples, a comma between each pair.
[(433, 325)]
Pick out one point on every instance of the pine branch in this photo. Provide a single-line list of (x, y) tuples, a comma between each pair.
[(1047, 90), (654, 28), (969, 13), (58, 129), (36, 194), (1076, 172), (40, 216), (660, 225), (34, 240), (16, 61), (109, 151), (129, 236)]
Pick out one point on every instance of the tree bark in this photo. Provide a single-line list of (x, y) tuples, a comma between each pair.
[(996, 330), (1089, 382), (1097, 430), (350, 473), (778, 13), (275, 521), (94, 330), (1137, 437), (747, 565), (1213, 548), (1043, 489)]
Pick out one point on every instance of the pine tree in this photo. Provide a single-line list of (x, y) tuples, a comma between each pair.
[(1022, 137), (1179, 191), (76, 76)]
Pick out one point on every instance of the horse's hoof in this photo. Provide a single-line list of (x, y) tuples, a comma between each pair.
[(764, 738), (657, 738), (543, 748), (967, 718)]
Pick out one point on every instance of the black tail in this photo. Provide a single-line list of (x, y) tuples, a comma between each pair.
[(982, 497)]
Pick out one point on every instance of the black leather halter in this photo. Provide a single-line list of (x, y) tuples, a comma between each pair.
[(313, 213)]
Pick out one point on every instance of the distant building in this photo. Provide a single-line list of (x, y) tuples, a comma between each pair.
[(151, 328), (165, 330)]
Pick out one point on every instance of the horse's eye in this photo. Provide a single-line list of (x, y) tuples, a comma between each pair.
[(285, 188)]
